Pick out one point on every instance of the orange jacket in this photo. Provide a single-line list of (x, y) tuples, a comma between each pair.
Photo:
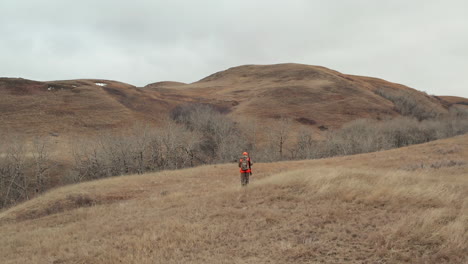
[(250, 165)]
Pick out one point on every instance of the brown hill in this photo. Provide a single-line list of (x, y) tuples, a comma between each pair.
[(312, 95), (73, 106), (455, 100)]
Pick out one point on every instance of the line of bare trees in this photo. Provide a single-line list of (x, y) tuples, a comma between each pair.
[(138, 150), (408, 104), (364, 135), (200, 134), (193, 135)]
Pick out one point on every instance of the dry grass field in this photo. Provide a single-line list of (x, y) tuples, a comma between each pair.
[(405, 205)]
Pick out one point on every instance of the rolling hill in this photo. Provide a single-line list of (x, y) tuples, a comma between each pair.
[(455, 100), (405, 205), (76, 106), (311, 95), (314, 96)]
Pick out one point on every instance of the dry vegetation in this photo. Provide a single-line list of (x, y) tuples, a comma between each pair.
[(198, 134), (410, 103), (367, 208)]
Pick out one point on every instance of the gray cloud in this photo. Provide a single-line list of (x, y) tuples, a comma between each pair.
[(418, 43)]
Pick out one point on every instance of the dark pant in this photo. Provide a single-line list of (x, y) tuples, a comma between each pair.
[(245, 178)]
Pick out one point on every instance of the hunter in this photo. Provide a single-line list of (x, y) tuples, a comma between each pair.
[(245, 165)]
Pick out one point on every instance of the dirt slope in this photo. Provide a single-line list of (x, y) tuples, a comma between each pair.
[(405, 205)]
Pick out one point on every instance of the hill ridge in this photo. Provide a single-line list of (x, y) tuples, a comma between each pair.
[(263, 92)]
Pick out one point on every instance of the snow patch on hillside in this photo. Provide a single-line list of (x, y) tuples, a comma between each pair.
[(100, 84)]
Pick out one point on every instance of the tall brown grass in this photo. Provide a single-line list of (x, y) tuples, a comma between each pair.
[(357, 209)]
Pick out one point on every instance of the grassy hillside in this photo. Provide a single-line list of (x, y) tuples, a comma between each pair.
[(73, 107), (405, 205), (455, 100), (313, 96)]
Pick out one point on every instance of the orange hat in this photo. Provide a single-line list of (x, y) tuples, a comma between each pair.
[(245, 153)]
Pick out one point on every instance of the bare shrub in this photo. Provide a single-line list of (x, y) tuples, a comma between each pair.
[(89, 161), (41, 151), (13, 164), (447, 163), (23, 168), (435, 165), (361, 136), (406, 103), (402, 132), (355, 137), (126, 152), (458, 111), (221, 138), (306, 147), (174, 147), (184, 113), (108, 155), (136, 151)]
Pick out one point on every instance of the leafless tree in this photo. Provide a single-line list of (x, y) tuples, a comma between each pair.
[(222, 140), (89, 160), (278, 135), (409, 103), (179, 146), (249, 128), (306, 146), (142, 135), (14, 181), (41, 151)]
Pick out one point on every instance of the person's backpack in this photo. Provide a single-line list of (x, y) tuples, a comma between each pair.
[(245, 164)]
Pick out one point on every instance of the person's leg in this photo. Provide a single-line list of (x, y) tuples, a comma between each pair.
[(244, 179), (247, 175)]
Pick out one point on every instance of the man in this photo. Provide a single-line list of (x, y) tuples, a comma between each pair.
[(245, 165)]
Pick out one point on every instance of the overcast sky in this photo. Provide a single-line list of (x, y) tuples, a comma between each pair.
[(419, 43)]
